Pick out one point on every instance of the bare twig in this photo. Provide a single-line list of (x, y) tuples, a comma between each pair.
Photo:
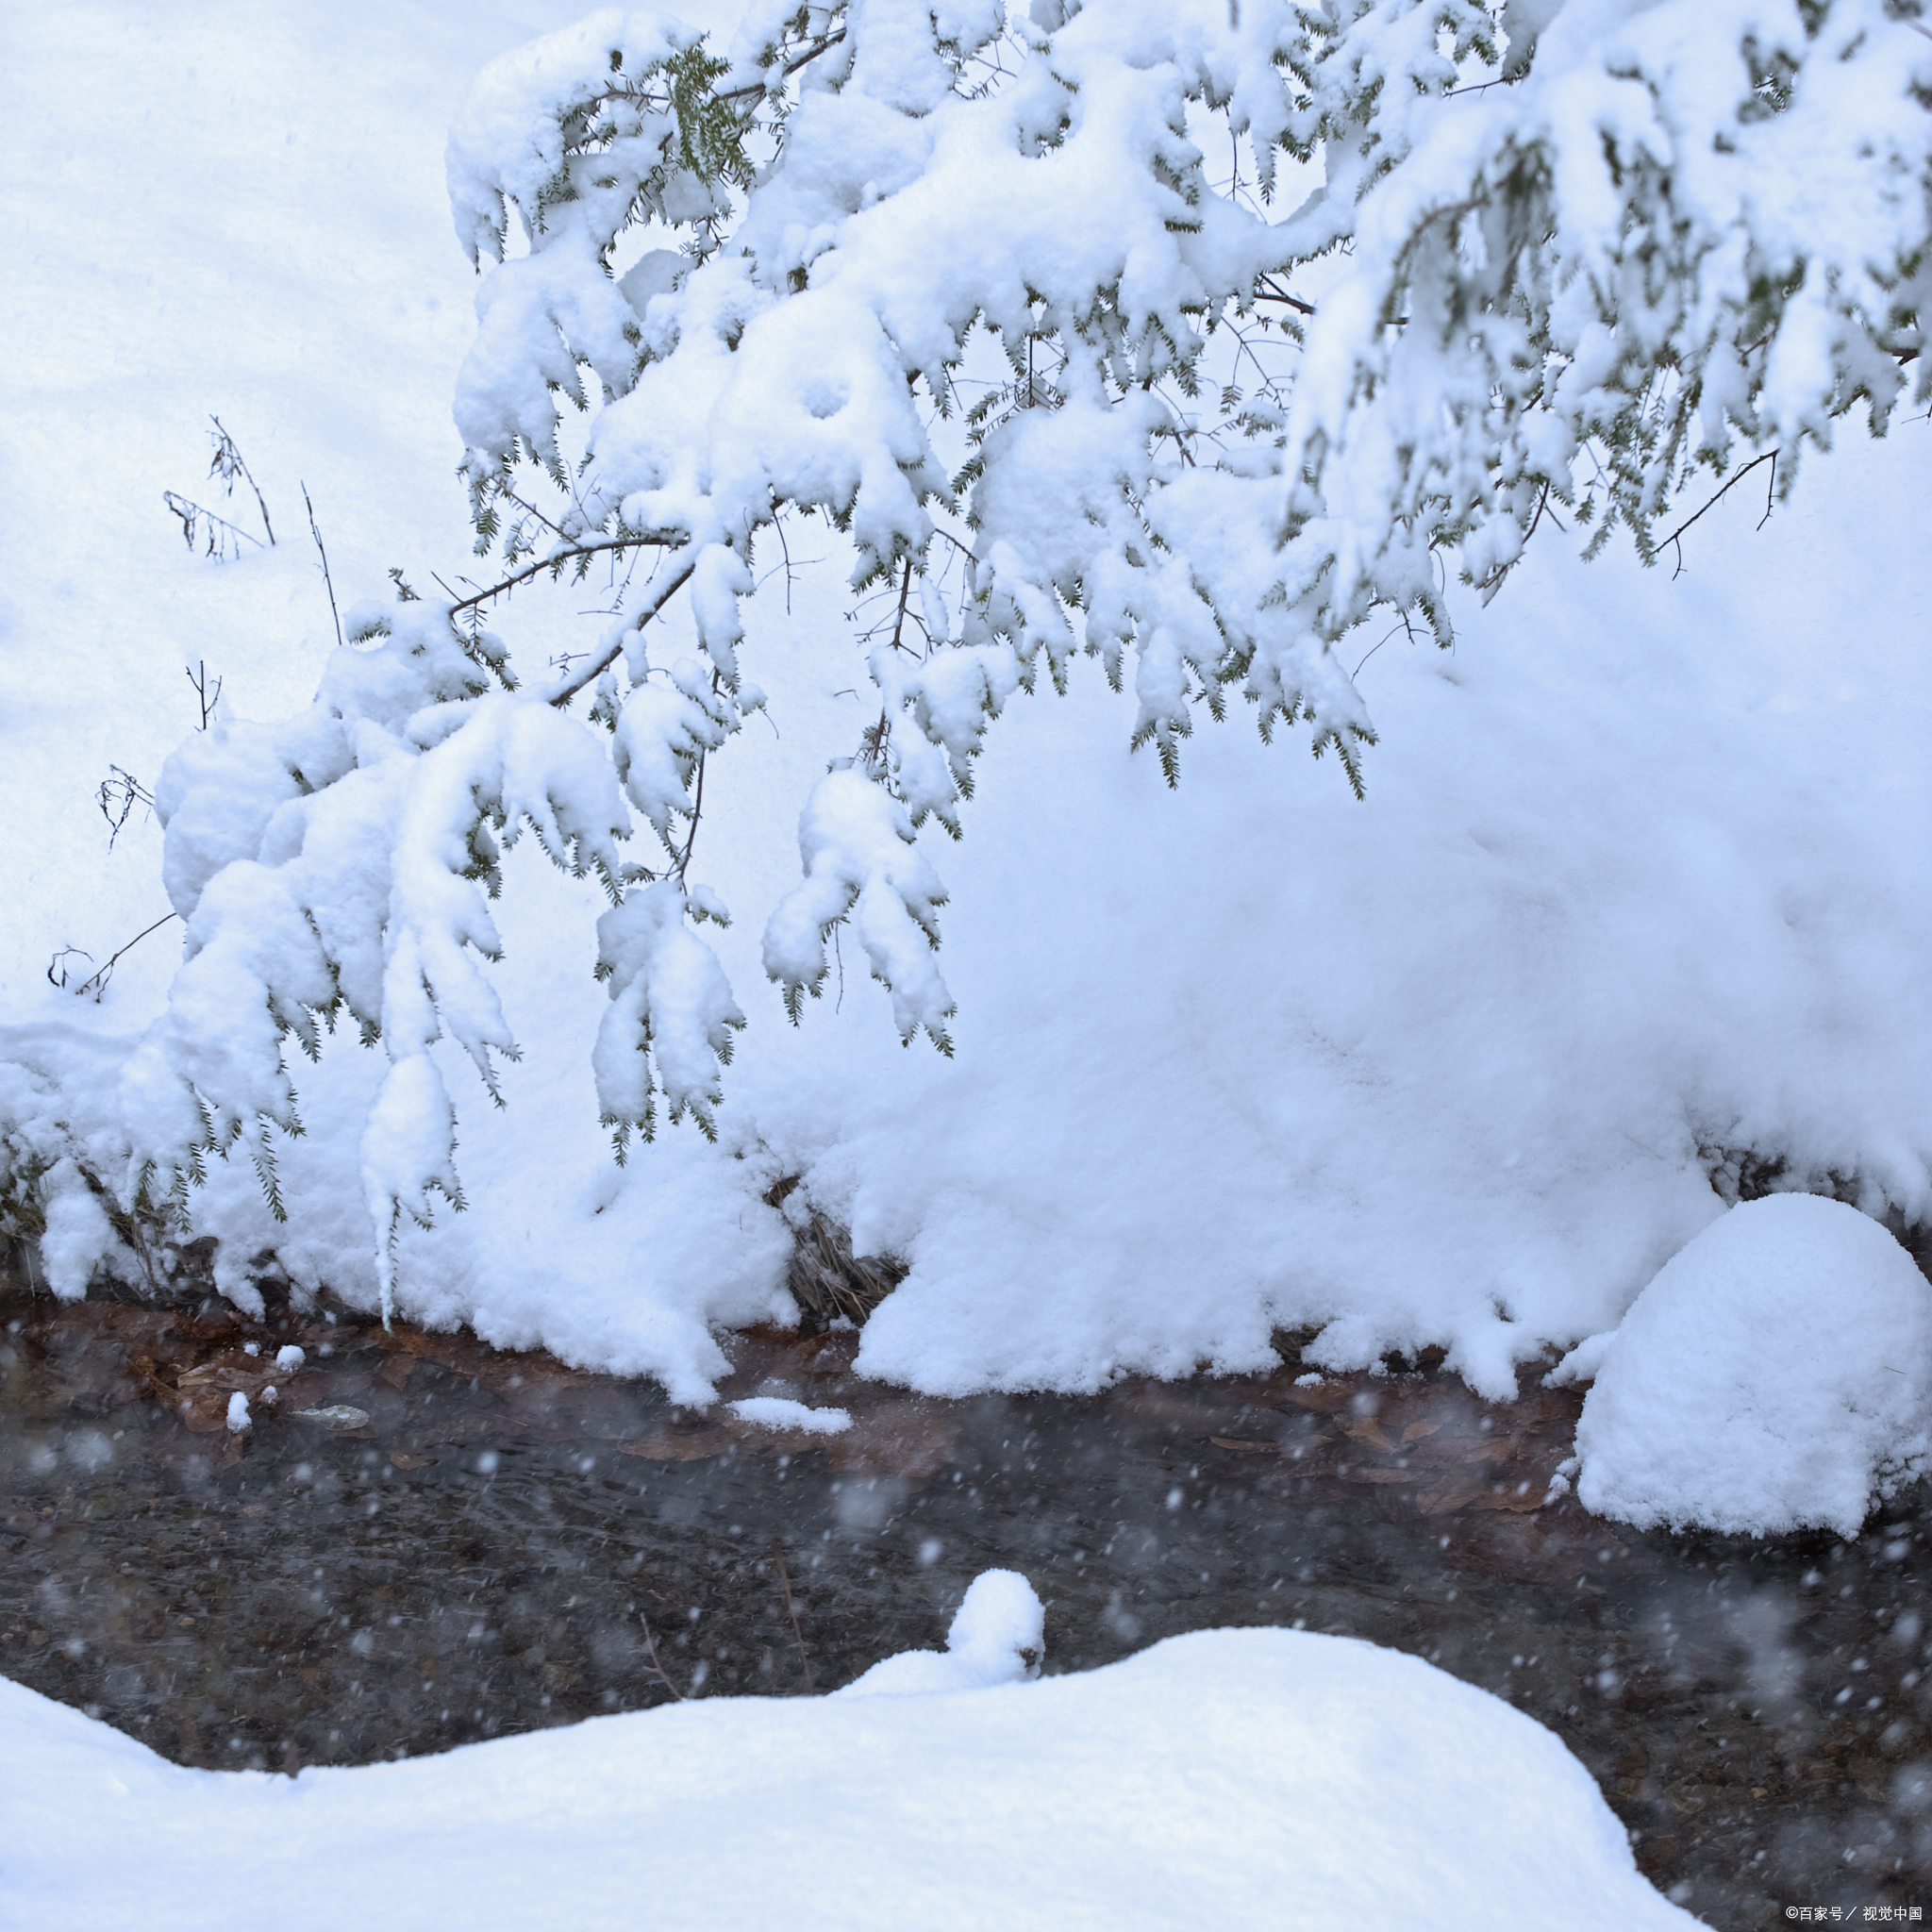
[(784, 550), (221, 532), (663, 1675), (1768, 456), (124, 790), (328, 580), (1404, 624), (1269, 289), (209, 700), (905, 592), (791, 1609), (1543, 505), (97, 980), (227, 465)]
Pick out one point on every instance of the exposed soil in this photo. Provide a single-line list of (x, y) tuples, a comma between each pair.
[(477, 1542)]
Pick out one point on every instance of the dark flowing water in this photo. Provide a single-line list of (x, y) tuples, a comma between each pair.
[(488, 1542)]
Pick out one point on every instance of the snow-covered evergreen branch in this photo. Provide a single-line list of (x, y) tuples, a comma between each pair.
[(1569, 251)]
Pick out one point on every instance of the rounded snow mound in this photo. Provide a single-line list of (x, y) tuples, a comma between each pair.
[(1774, 1376), (997, 1637)]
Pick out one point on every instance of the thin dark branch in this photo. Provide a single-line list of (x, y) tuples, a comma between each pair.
[(697, 804), (99, 980), (1543, 506), (124, 788), (314, 530), (1768, 489), (752, 90), (784, 550), (1404, 624), (187, 511), (1768, 456), (227, 462), (663, 1675), (534, 511), (1271, 290), (874, 754), (600, 661), (697, 809), (757, 88), (208, 700), (905, 592), (791, 1609), (555, 560)]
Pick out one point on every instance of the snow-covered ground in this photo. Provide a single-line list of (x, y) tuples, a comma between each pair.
[(1642, 869), (1230, 1778), (1641, 880)]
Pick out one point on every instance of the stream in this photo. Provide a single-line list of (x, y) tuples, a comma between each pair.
[(421, 1541)]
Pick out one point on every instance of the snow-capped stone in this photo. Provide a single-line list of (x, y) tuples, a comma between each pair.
[(1774, 1376)]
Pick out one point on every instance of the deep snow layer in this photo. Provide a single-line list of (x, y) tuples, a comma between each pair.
[(1224, 1778), (1643, 870)]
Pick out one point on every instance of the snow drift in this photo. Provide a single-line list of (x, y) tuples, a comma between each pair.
[(1205, 1781)]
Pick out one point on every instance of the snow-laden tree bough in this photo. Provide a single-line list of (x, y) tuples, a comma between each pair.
[(1293, 311)]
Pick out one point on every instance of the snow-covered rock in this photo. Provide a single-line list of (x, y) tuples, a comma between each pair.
[(1773, 1376)]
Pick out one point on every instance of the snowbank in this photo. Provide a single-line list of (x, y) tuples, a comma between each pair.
[(1775, 1375), (1230, 1778), (1641, 879)]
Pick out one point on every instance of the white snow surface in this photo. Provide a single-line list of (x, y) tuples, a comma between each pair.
[(997, 1636), (1776, 1375), (1643, 870), (780, 1412), (1203, 1782)]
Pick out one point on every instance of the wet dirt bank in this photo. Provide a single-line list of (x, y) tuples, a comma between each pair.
[(455, 1543)]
